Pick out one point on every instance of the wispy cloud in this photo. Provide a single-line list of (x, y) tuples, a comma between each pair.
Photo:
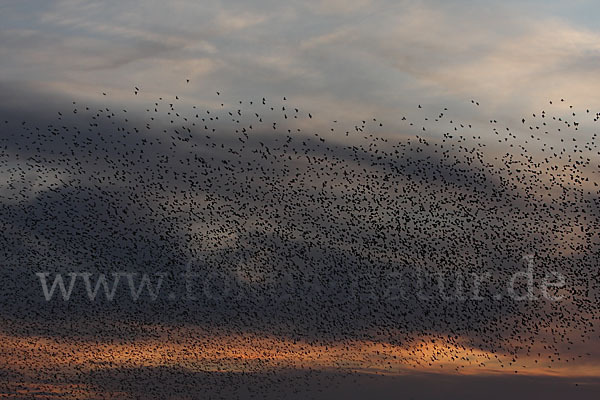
[(356, 52)]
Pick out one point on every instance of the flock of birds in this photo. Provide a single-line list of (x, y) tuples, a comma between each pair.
[(341, 236)]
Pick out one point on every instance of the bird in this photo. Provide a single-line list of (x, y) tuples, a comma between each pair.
[(309, 244)]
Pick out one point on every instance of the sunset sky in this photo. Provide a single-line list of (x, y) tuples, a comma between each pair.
[(491, 67)]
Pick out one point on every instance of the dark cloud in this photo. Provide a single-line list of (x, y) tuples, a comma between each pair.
[(276, 252), (161, 382)]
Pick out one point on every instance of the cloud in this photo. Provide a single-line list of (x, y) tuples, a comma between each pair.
[(336, 7), (378, 55), (235, 21), (260, 249), (257, 221)]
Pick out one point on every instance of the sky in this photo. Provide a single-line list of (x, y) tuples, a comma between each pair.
[(489, 66), (343, 57)]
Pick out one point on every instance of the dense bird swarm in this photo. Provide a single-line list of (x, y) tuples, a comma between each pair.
[(327, 237)]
